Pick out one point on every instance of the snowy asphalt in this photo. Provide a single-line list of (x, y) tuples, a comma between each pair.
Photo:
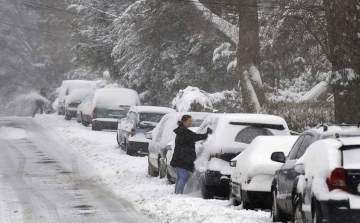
[(43, 181), (54, 170)]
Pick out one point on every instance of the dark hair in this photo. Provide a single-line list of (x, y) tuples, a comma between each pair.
[(183, 119)]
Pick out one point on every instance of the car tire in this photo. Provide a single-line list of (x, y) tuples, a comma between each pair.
[(78, 120), (245, 204), (276, 213), (151, 170), (162, 170), (117, 140), (67, 117), (128, 151), (298, 215), (316, 217), (170, 179), (232, 199)]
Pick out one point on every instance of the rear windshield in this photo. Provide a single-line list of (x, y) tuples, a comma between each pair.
[(148, 120), (248, 134), (351, 158)]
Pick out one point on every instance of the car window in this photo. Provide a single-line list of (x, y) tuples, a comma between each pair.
[(248, 134), (304, 145), (148, 120), (295, 148)]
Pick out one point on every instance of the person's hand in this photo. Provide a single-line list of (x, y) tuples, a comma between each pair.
[(209, 131)]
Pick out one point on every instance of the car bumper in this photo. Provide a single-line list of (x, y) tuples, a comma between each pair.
[(106, 124), (215, 178), (71, 113), (258, 199), (139, 148), (338, 212)]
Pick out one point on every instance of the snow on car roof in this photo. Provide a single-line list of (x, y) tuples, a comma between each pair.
[(77, 95), (151, 109), (68, 85), (107, 97), (252, 118), (256, 158), (350, 141), (331, 129)]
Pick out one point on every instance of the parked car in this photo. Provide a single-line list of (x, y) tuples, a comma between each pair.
[(132, 129), (250, 183), (162, 135), (286, 178), (84, 110), (67, 86), (232, 133), (73, 100), (111, 104), (329, 185)]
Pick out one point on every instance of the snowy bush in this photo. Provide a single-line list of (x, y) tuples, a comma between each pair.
[(303, 115), (194, 99)]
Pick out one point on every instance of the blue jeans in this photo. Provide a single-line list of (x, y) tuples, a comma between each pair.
[(37, 108), (182, 176)]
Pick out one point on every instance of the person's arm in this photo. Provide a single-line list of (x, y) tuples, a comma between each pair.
[(192, 136)]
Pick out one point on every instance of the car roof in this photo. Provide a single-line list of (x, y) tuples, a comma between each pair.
[(350, 141), (251, 118), (332, 129), (151, 109)]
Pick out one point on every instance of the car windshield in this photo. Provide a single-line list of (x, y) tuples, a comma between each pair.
[(148, 120)]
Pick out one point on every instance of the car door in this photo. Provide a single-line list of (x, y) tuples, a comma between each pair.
[(153, 151), (291, 174), (282, 172)]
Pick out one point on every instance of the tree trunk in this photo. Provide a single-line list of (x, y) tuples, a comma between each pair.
[(342, 44), (248, 56)]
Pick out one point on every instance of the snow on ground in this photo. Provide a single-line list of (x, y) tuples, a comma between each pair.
[(127, 177)]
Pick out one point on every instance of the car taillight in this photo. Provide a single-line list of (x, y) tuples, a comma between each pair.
[(132, 133), (94, 112), (216, 155), (337, 180), (74, 104), (249, 180)]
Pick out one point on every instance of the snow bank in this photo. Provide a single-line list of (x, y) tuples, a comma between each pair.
[(127, 177)]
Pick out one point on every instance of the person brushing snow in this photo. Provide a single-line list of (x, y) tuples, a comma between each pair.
[(39, 103), (184, 154)]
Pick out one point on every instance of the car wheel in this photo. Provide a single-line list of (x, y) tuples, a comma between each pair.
[(117, 140), (151, 170), (162, 169), (128, 151), (232, 199), (170, 179), (275, 211), (67, 117), (245, 204), (298, 216), (78, 120), (316, 217)]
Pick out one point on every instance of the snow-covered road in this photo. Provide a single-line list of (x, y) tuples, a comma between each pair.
[(107, 168)]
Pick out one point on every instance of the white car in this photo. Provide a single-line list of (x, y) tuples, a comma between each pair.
[(162, 135), (132, 129), (84, 110), (67, 86), (232, 133), (73, 100), (254, 172), (110, 105), (328, 188)]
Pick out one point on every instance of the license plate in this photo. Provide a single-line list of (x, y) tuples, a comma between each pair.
[(116, 113)]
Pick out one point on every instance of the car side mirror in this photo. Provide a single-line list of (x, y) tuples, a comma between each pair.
[(148, 135), (299, 168), (233, 163), (278, 157)]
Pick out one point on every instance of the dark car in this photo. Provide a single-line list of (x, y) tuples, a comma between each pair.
[(284, 185), (329, 189)]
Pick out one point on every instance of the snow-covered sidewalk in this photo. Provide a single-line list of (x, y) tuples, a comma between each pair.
[(127, 177)]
